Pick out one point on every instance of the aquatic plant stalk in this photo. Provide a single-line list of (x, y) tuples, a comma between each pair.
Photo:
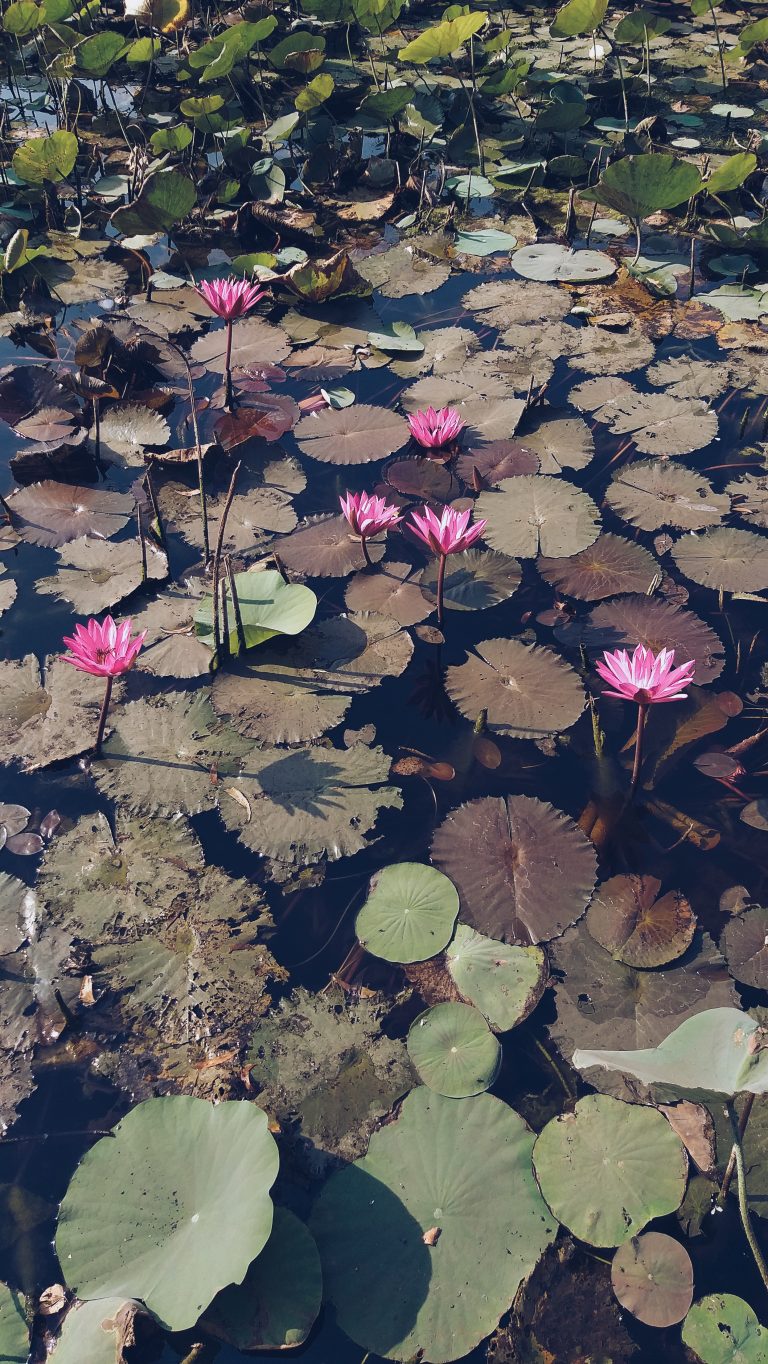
[(731, 1166), (103, 717), (642, 712), (440, 586), (746, 1218), (217, 558)]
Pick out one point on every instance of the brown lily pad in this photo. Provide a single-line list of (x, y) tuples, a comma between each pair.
[(415, 476), (324, 548), (725, 559), (485, 465), (391, 591), (650, 494), (474, 580), (527, 691), (96, 574), (52, 513), (524, 871), (635, 926), (254, 342), (745, 944), (605, 568), (652, 1276), (538, 514), (624, 622), (358, 434), (560, 438)]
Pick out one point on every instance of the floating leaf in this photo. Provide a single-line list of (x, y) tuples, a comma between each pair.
[(560, 439), (523, 870), (658, 423), (409, 914), (652, 1277), (275, 703), (635, 926), (46, 716), (167, 196), (650, 494), (749, 499), (46, 158), (484, 242), (276, 1305), (609, 1168), (537, 514), (255, 343), (394, 592), (745, 944), (724, 559), (171, 648), (352, 435), (267, 606), (527, 691), (719, 1050), (95, 574), (96, 1331), (312, 802), (551, 261), (496, 460), (51, 513), (632, 620), (454, 1051), (474, 580), (128, 429), (723, 1329), (398, 272), (210, 1169), (504, 982), (14, 1332), (324, 548), (606, 568), (440, 1165), (640, 185)]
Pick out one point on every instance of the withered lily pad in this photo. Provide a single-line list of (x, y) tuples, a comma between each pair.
[(128, 429), (400, 271), (725, 559), (394, 591), (271, 701), (745, 944), (523, 870), (171, 648), (634, 924), (658, 423), (503, 301), (526, 690), (650, 494), (538, 514), (631, 620), (309, 803), (166, 755), (606, 568), (7, 592), (352, 435), (96, 574), (350, 653), (51, 513), (327, 1074), (749, 499), (474, 580), (261, 506), (324, 548)]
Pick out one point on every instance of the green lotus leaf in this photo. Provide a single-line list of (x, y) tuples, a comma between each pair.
[(609, 1168), (578, 16), (45, 158), (442, 39), (14, 1332), (299, 51), (92, 1331), (166, 198), (640, 185), (731, 174), (277, 1303), (171, 1208), (268, 606), (718, 1050), (454, 1050), (384, 105), (409, 914), (723, 1329), (504, 982), (95, 55), (641, 23), (23, 17), (218, 57), (419, 1250)]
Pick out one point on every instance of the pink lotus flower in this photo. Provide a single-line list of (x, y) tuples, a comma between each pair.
[(449, 533), (433, 429), (104, 650), (367, 515), (646, 678), (230, 298)]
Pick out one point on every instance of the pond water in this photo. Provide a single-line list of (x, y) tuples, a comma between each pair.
[(191, 926)]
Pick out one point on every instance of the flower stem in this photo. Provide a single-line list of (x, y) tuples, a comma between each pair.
[(642, 711), (440, 581), (731, 1168), (746, 1220), (103, 717), (366, 555), (228, 366)]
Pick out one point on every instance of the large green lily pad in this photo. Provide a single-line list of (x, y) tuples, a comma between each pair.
[(720, 1051), (723, 1329), (409, 914), (268, 606), (95, 1331), (505, 982), (609, 1168), (419, 1252), (454, 1050), (180, 1183)]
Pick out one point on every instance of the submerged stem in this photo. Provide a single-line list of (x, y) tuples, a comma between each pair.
[(642, 712), (366, 555), (440, 581), (103, 717), (746, 1219)]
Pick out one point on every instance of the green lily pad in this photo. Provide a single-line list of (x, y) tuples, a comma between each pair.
[(181, 1182), (45, 158), (505, 982), (268, 605), (639, 185), (14, 1332), (166, 198), (275, 1306), (723, 1329), (95, 1331), (419, 1252), (609, 1168), (454, 1050), (409, 914), (718, 1050), (485, 242), (551, 261)]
